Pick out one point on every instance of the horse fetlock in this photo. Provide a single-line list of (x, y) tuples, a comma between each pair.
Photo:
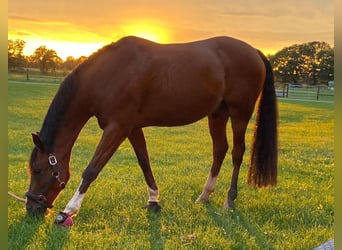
[(232, 194), (230, 204), (153, 194)]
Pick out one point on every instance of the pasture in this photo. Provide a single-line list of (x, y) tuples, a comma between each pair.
[(297, 214)]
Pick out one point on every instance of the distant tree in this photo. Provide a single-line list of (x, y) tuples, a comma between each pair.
[(310, 63), (326, 65), (46, 59), (81, 59), (16, 57), (69, 63)]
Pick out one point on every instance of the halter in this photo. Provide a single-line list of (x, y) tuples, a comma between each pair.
[(41, 199), (55, 173)]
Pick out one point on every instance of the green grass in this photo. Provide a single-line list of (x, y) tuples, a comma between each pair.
[(297, 214), (35, 76)]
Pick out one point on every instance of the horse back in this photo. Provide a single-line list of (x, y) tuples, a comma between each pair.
[(139, 82)]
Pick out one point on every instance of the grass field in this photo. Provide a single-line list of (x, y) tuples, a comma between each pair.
[(297, 214)]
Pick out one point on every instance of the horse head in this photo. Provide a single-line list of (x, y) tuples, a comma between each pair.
[(46, 175)]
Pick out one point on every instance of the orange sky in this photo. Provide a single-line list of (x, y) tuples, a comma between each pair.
[(80, 27)]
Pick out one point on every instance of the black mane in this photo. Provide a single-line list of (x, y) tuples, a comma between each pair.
[(55, 115)]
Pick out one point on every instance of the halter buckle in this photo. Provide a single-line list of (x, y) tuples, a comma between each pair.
[(52, 160)]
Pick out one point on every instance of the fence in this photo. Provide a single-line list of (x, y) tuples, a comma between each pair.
[(305, 92)]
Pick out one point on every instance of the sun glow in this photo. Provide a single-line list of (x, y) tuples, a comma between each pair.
[(73, 41), (149, 30), (64, 49)]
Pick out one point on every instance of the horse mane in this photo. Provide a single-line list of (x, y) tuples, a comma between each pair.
[(121, 42), (93, 56), (56, 112)]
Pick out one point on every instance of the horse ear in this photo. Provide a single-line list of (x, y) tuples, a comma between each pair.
[(37, 141)]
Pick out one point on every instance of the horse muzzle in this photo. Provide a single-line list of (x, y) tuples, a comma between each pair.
[(37, 205)]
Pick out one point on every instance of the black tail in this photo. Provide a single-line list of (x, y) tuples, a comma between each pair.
[(264, 158)]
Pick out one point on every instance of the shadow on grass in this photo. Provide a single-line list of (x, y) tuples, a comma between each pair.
[(233, 223), (22, 234), (155, 226), (57, 237)]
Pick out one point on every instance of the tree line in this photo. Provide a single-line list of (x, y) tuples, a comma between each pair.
[(47, 60), (310, 63)]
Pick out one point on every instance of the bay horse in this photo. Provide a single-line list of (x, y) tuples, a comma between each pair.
[(134, 83)]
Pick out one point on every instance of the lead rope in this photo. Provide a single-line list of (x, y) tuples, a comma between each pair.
[(18, 198)]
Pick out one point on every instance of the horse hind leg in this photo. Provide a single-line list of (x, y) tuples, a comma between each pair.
[(239, 127), (217, 127), (138, 142)]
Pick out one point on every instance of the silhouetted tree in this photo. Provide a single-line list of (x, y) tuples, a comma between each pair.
[(311, 63), (16, 57), (46, 59)]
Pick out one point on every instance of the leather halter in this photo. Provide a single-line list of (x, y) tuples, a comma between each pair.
[(41, 199), (55, 173)]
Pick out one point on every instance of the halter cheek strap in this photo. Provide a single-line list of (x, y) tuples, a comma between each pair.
[(55, 173)]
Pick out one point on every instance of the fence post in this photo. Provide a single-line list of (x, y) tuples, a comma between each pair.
[(318, 89)]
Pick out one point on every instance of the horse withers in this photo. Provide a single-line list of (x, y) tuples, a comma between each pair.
[(134, 83)]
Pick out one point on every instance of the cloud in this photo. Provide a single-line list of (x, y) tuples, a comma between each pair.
[(23, 18), (247, 14)]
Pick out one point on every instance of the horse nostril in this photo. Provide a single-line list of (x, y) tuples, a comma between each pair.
[(41, 198)]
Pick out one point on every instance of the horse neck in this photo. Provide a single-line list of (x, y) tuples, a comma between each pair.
[(65, 118), (68, 134)]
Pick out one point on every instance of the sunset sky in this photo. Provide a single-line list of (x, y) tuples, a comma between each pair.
[(80, 27)]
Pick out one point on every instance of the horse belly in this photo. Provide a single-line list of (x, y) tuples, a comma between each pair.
[(177, 110)]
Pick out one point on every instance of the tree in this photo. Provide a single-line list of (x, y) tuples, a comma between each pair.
[(69, 63), (46, 59), (15, 53), (310, 63), (326, 65)]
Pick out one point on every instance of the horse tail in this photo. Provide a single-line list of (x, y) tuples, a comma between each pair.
[(264, 153)]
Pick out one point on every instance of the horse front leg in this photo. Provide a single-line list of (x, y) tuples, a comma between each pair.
[(110, 141), (138, 142)]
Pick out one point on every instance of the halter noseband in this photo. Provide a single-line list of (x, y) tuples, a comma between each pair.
[(41, 199)]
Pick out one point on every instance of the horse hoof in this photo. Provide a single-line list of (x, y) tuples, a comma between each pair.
[(64, 220), (153, 206), (229, 205), (201, 200)]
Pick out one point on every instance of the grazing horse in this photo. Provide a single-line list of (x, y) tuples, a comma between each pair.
[(134, 83)]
